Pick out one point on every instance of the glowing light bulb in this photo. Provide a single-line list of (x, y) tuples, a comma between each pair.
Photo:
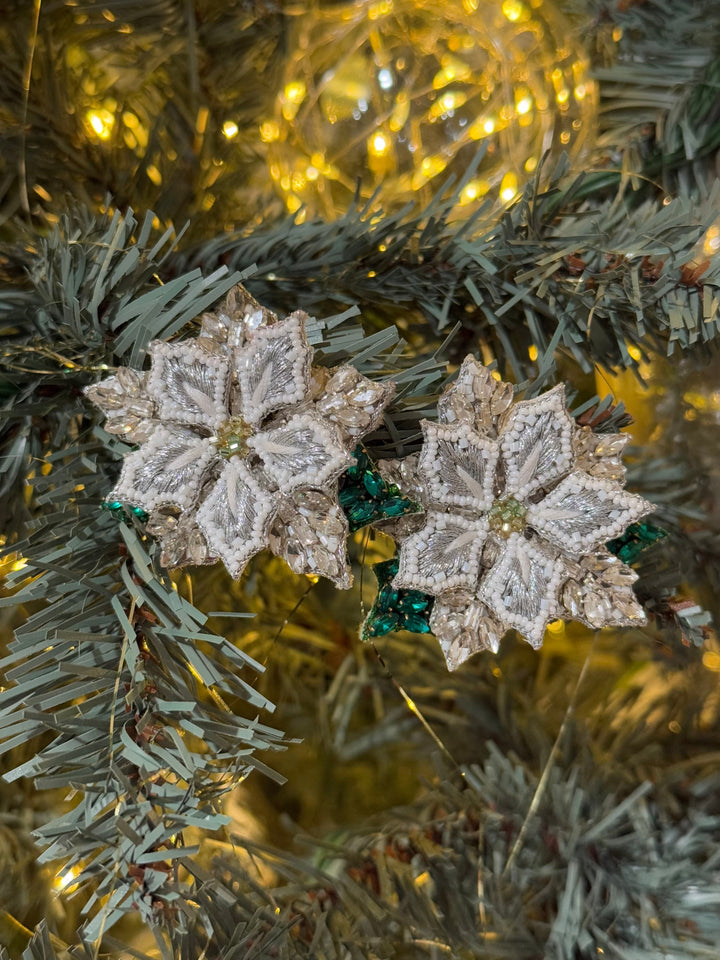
[(295, 92), (508, 187), (230, 129), (101, 122), (513, 10), (379, 144)]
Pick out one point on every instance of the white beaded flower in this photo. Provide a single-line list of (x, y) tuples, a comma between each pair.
[(242, 441), (519, 504)]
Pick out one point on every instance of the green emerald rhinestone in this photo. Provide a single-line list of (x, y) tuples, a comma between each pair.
[(396, 609), (416, 602), (365, 495), (385, 623), (398, 507), (507, 516), (373, 483), (416, 624), (360, 514), (120, 511), (638, 537)]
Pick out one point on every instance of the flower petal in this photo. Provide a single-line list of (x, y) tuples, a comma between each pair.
[(463, 626), (304, 452), (310, 533), (536, 443), (458, 466), (237, 318), (168, 470), (475, 397), (522, 586), (274, 368), (600, 454), (444, 555), (189, 384), (583, 512), (354, 402), (235, 516), (598, 605)]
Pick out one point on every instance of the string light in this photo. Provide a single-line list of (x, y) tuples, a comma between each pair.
[(508, 186), (388, 113)]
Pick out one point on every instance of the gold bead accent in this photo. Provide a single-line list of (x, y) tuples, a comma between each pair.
[(507, 516), (232, 436)]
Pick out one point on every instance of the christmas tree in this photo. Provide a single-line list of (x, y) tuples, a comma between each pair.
[(340, 620)]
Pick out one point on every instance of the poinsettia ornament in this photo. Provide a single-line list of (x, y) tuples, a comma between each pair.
[(242, 441), (520, 502)]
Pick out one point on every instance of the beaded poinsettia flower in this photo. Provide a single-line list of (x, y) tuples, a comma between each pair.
[(520, 502), (242, 441)]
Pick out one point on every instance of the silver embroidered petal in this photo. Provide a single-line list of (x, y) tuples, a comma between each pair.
[(354, 402), (168, 470), (583, 512), (236, 515), (444, 555), (310, 533), (521, 589), (188, 384), (458, 466), (273, 369), (536, 443), (463, 626), (304, 452)]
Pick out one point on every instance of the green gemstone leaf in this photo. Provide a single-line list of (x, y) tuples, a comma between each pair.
[(396, 609), (366, 497)]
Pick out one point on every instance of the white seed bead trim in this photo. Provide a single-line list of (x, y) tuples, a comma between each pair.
[(181, 475), (201, 400), (521, 561), (458, 466), (251, 537), (583, 512), (304, 452), (536, 443), (273, 369), (431, 559)]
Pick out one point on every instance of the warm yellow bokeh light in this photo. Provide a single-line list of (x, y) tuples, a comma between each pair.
[(394, 114), (509, 186), (379, 144), (101, 122), (269, 131), (513, 10), (230, 129)]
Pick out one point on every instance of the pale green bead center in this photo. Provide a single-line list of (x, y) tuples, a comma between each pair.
[(507, 516), (232, 436)]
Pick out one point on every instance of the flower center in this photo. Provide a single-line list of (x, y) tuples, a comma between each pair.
[(507, 516), (231, 439)]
